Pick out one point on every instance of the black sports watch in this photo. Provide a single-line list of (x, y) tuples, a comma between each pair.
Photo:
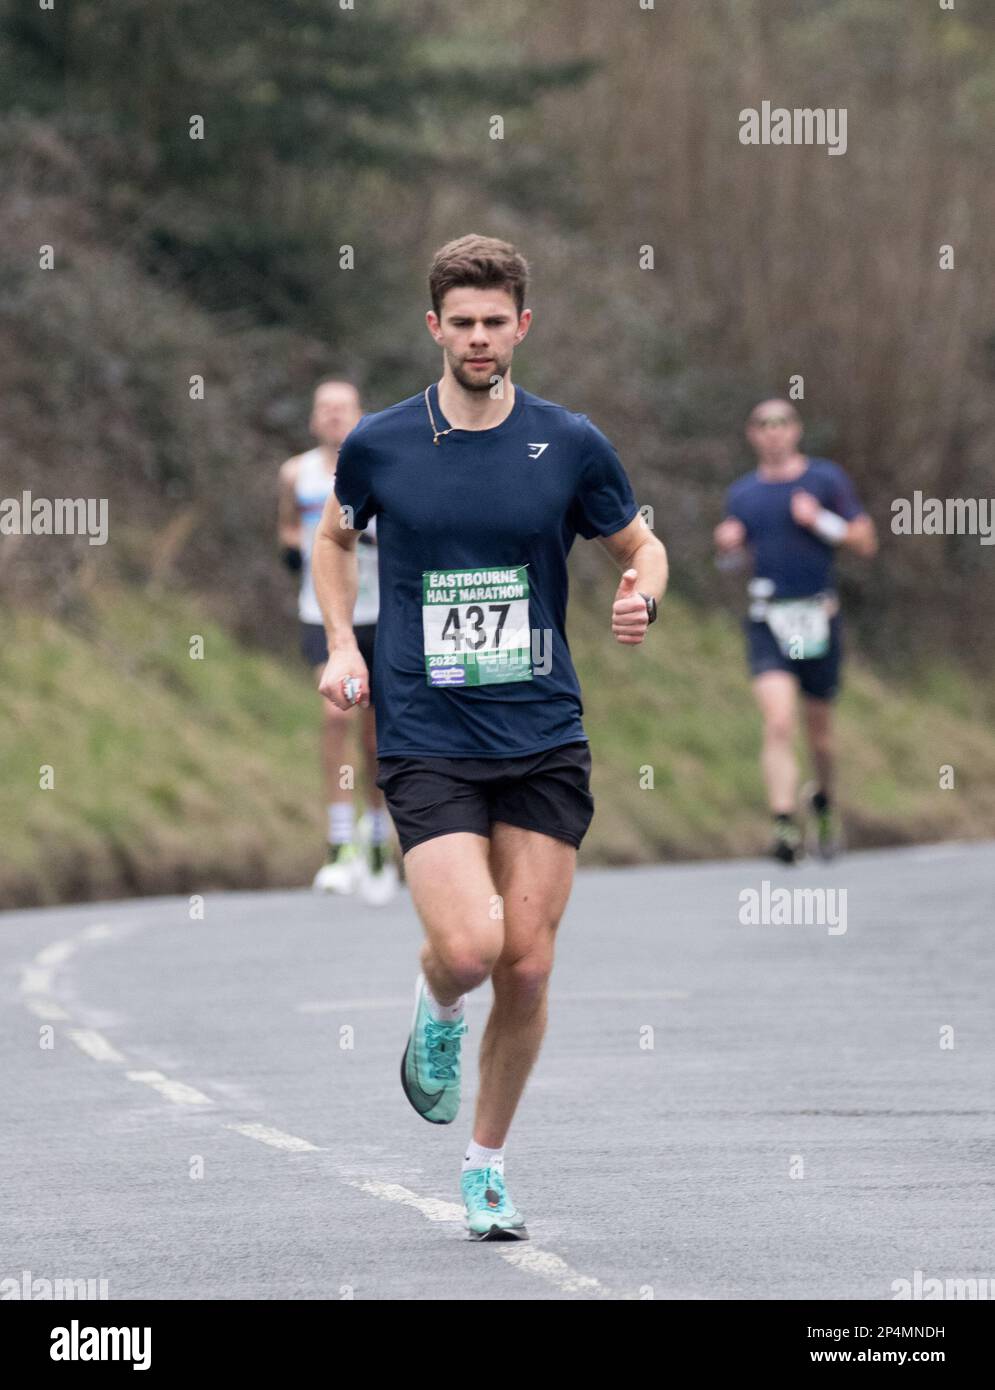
[(650, 607)]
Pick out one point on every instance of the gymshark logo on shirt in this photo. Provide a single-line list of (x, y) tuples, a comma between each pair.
[(540, 449)]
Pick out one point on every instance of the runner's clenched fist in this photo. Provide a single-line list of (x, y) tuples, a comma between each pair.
[(630, 615)]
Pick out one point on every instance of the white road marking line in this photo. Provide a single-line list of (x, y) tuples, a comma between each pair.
[(35, 980), (100, 931), (556, 1271), (94, 1045), (47, 1009), (276, 1138), (542, 1263), (431, 1207), (55, 954), (177, 1091)]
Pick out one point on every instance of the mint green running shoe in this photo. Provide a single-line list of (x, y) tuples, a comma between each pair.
[(490, 1212), (430, 1065)]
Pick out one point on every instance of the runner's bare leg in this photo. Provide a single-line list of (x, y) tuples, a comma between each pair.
[(534, 875), (819, 726), (451, 885), (460, 892), (778, 701)]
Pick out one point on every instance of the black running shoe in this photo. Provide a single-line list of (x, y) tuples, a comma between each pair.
[(788, 847)]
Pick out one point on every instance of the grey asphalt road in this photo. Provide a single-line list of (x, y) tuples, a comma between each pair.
[(211, 1109)]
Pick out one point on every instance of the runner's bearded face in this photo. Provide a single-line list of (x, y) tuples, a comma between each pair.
[(476, 372), (477, 332)]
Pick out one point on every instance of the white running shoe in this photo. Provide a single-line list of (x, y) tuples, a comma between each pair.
[(378, 877), (340, 872)]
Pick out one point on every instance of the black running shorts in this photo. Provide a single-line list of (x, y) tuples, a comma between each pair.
[(819, 677), (549, 792)]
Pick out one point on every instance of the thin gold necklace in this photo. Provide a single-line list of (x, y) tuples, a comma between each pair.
[(436, 433)]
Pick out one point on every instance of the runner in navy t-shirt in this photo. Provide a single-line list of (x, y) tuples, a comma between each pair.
[(479, 489), (792, 513)]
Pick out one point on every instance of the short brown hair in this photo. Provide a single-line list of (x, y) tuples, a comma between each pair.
[(775, 400), (336, 381), (482, 262)]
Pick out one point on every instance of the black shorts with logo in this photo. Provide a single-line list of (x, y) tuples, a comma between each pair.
[(819, 677), (548, 791), (314, 647)]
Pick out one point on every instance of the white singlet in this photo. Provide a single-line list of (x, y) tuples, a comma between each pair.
[(311, 490)]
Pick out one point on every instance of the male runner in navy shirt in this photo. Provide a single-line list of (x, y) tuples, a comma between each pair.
[(479, 489), (792, 512)]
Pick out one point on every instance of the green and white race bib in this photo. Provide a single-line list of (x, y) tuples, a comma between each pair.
[(476, 626), (800, 626)]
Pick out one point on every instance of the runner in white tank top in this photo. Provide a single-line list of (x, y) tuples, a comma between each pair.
[(357, 857), (312, 484)]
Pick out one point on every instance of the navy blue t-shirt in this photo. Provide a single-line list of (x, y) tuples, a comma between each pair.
[(797, 561), (505, 503)]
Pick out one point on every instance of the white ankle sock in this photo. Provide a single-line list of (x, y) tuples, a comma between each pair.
[(443, 1013), (341, 823), (477, 1156)]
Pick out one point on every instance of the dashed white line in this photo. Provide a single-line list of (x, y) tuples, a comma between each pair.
[(431, 1207), (47, 1009), (36, 982), (100, 931), (543, 1263), (56, 953), (35, 979), (555, 1271), (276, 1138), (95, 1045), (177, 1091)]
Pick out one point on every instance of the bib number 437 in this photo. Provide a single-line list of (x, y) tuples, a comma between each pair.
[(476, 626), (468, 628)]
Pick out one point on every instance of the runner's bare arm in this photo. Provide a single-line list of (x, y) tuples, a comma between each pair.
[(643, 560), (729, 535), (336, 572), (636, 547), (287, 518), (860, 535), (334, 565)]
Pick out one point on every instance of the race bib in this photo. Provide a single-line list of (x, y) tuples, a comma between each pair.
[(476, 626), (800, 626)]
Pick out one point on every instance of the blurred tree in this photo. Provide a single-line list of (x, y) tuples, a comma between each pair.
[(310, 113)]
